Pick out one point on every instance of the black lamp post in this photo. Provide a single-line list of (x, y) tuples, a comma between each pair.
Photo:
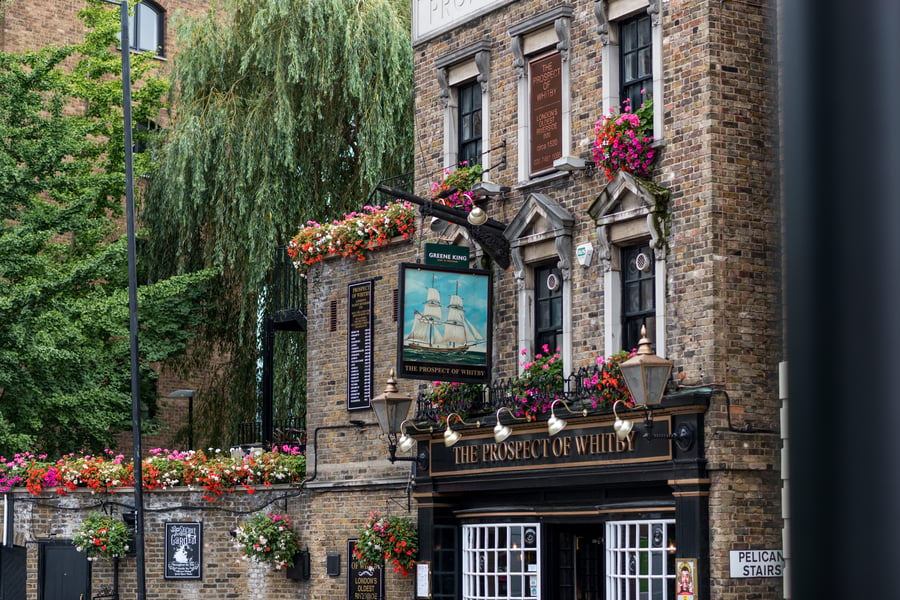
[(391, 408)]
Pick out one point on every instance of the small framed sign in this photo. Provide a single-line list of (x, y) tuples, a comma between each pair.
[(423, 580), (184, 550), (685, 578)]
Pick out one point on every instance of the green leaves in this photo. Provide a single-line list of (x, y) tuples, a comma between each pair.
[(64, 344), (285, 112)]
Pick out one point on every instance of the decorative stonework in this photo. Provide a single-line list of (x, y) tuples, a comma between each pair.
[(623, 199)]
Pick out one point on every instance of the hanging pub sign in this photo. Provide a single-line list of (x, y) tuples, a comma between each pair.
[(359, 344), (446, 324), (363, 583), (184, 550)]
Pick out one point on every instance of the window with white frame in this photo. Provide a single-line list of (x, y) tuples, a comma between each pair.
[(469, 123), (146, 28), (501, 561), (540, 243), (540, 48), (640, 560), (632, 253), (464, 78), (631, 35), (638, 293)]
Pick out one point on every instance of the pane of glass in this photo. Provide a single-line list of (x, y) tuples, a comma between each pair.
[(643, 27), (628, 36), (543, 315), (630, 66), (466, 127), (556, 313), (645, 66), (631, 300), (147, 24), (476, 124), (476, 96), (647, 294), (465, 100)]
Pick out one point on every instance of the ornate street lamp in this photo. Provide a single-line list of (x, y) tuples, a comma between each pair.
[(646, 374), (391, 408)]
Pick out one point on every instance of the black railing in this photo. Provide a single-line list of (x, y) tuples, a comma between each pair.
[(287, 287), (290, 431), (401, 182), (580, 391)]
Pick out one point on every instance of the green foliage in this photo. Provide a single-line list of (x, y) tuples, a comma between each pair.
[(64, 345), (285, 112)]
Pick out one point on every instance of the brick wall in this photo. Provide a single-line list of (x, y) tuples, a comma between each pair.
[(324, 521)]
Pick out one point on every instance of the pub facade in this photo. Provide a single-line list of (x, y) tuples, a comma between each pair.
[(575, 259)]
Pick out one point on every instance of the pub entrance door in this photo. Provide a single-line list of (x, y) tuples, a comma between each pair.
[(574, 563)]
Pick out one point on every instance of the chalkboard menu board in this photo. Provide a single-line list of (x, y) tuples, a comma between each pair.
[(184, 550), (359, 345), (546, 111), (363, 583)]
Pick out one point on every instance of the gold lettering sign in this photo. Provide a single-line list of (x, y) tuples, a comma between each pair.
[(545, 87), (594, 444)]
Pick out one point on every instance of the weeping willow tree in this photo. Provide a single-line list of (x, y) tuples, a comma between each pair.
[(284, 111)]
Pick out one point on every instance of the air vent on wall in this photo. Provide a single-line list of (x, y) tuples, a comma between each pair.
[(552, 282), (642, 262)]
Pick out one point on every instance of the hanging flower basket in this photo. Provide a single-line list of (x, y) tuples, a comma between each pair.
[(388, 539), (624, 141), (461, 179), (268, 538), (101, 536)]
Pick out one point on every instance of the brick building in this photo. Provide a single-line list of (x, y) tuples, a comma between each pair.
[(691, 252)]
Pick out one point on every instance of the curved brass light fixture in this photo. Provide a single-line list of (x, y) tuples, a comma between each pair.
[(477, 216), (452, 436), (406, 442), (622, 427), (501, 431), (554, 423)]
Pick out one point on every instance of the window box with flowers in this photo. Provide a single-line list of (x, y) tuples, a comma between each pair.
[(607, 385), (448, 397), (387, 539), (102, 536), (539, 384), (268, 538), (624, 141), (213, 471), (461, 180), (358, 232)]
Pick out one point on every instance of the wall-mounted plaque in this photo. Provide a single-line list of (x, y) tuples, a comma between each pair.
[(360, 316), (363, 583), (545, 94), (184, 550)]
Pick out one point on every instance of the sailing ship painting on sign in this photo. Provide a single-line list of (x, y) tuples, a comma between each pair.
[(446, 323)]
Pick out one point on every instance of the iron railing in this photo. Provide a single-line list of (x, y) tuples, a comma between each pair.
[(291, 431), (579, 391)]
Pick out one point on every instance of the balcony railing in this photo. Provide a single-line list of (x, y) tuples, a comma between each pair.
[(579, 391), (290, 431)]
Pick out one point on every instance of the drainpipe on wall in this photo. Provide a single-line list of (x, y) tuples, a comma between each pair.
[(785, 478)]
